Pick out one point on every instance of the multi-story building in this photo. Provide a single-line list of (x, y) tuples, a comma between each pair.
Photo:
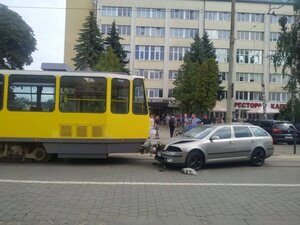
[(159, 33)]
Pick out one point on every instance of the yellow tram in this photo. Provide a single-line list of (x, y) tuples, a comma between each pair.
[(71, 114)]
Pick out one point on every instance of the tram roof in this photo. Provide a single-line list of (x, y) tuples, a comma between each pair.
[(72, 73)]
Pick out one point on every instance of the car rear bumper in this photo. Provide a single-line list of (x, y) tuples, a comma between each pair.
[(283, 138)]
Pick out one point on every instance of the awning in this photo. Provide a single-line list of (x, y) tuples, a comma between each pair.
[(260, 110), (219, 108)]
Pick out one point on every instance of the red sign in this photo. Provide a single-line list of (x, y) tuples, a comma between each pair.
[(278, 106), (247, 105)]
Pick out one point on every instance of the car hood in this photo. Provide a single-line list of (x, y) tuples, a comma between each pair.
[(178, 140)]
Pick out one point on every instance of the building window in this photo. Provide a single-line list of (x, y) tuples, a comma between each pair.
[(278, 78), (245, 56), (151, 13), (274, 36), (223, 95), (116, 11), (177, 53), (218, 34), (120, 96), (183, 32), (223, 76), (250, 17), (127, 50), (31, 93), (170, 93), (150, 74), (279, 96), (148, 52), (217, 16), (248, 95), (1, 90), (139, 98), (121, 29), (150, 31), (183, 14), (173, 74), (82, 94), (275, 19), (249, 77), (250, 35), (222, 55), (154, 93)]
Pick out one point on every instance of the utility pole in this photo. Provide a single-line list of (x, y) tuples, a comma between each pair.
[(231, 75)]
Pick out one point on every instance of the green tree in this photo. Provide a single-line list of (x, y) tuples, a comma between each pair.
[(113, 40), (109, 62), (90, 44), (287, 55), (198, 82), (17, 40)]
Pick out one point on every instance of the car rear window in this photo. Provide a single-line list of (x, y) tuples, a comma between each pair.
[(283, 126), (241, 132), (259, 132)]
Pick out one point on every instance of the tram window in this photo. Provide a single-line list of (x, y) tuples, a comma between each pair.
[(82, 94), (120, 96), (1, 90), (31, 93), (139, 98)]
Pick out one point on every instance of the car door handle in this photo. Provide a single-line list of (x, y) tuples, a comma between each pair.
[(231, 142), (252, 141)]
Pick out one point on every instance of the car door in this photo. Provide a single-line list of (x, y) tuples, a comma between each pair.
[(244, 141), (223, 146)]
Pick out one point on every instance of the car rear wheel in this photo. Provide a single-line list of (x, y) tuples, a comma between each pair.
[(258, 157), (195, 160)]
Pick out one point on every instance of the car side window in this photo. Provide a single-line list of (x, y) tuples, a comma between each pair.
[(223, 133), (259, 132), (241, 132)]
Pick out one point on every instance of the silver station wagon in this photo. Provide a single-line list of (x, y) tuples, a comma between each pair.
[(216, 143)]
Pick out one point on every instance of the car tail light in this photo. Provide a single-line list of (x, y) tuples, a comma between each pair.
[(276, 131)]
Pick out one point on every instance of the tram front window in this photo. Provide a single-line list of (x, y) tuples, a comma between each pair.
[(139, 98)]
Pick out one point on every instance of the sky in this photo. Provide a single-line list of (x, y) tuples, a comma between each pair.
[(47, 20)]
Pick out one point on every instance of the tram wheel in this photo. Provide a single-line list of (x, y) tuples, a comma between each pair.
[(40, 155)]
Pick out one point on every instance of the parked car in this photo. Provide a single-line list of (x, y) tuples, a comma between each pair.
[(215, 143), (281, 131)]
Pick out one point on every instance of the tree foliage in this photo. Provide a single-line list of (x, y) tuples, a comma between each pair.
[(17, 40), (198, 82), (90, 44), (287, 55), (109, 62), (113, 40)]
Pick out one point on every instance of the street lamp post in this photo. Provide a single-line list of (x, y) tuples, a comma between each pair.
[(230, 88)]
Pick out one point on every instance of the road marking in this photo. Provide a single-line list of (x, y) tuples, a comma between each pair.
[(147, 183)]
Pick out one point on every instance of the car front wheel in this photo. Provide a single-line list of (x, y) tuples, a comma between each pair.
[(195, 160), (258, 157)]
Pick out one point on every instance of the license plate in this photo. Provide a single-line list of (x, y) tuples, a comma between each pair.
[(159, 154)]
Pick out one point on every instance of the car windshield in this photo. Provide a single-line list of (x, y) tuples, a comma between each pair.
[(198, 132)]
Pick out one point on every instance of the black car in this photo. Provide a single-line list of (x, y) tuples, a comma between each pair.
[(281, 131)]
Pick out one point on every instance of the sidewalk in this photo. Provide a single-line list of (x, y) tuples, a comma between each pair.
[(280, 150)]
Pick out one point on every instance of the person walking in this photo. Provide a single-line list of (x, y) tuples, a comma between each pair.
[(156, 126), (172, 125)]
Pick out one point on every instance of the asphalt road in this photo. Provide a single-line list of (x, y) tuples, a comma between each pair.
[(135, 189)]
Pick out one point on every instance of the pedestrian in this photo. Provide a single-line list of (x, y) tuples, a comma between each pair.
[(152, 129), (205, 120), (172, 125), (168, 119), (156, 126)]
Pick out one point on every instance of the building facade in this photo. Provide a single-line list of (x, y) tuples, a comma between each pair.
[(158, 34)]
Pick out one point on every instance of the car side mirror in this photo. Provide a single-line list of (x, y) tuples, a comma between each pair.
[(215, 137)]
